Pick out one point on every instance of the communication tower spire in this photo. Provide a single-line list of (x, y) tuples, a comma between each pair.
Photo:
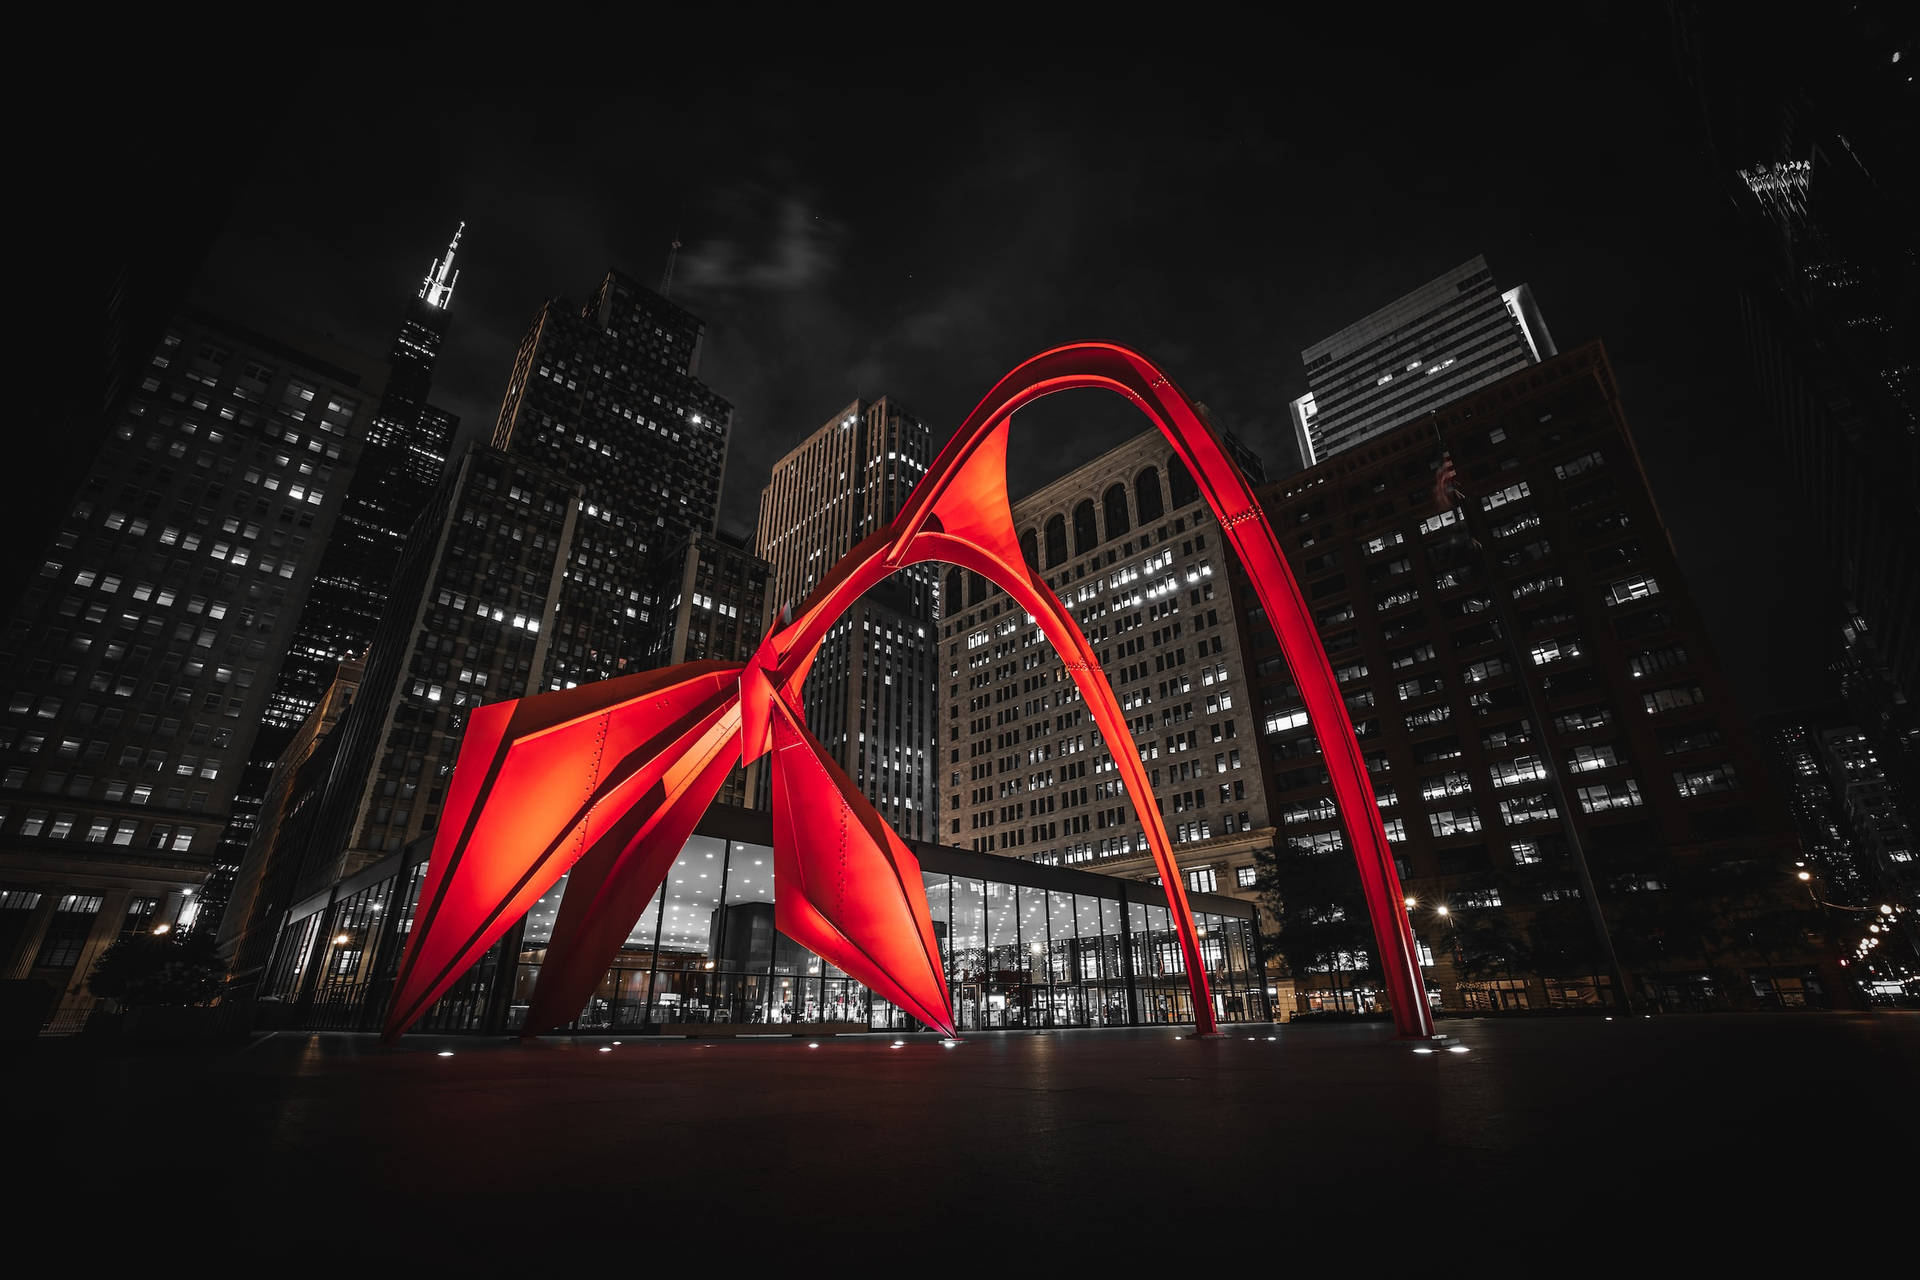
[(437, 288), (666, 277)]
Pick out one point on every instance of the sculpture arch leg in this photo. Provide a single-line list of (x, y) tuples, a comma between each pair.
[(966, 498), (1084, 666), (490, 862), (973, 528), (614, 881), (847, 889), (540, 781)]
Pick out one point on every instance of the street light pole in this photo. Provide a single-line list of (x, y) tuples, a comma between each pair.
[(1510, 632)]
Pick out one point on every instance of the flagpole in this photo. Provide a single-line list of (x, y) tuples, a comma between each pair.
[(1446, 488)]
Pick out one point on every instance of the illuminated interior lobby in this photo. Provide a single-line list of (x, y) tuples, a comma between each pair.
[(1023, 946)]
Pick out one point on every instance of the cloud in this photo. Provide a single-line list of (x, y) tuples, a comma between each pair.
[(793, 250)]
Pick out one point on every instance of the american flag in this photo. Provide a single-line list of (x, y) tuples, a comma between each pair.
[(1445, 493)]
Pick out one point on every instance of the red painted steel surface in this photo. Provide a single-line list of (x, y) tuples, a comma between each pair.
[(609, 780), (844, 886), (539, 783)]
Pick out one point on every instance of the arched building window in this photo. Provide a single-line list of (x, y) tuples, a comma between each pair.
[(1030, 550), (953, 602), (1056, 540), (1181, 482), (1114, 502), (1085, 535), (976, 588), (1146, 496)]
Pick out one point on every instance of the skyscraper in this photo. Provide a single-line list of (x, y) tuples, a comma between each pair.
[(1128, 544), (400, 466), (1446, 338), (1872, 808), (538, 565), (1797, 765), (1666, 792), (609, 396), (397, 469), (870, 696), (482, 570), (1807, 127), (712, 593), (263, 878), (140, 663), (713, 599)]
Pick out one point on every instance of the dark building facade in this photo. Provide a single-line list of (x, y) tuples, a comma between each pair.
[(399, 466), (1857, 846), (1665, 791), (712, 591), (712, 594), (483, 569), (540, 565), (141, 660), (1798, 768), (1870, 805), (1808, 140), (870, 697), (297, 783), (609, 396)]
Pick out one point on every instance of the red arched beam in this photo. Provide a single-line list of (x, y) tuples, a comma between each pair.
[(540, 783), (610, 779), (961, 498), (971, 525)]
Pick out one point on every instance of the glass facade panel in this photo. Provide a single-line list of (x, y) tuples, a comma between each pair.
[(967, 978), (940, 908), (1115, 1004), (1005, 972), (1066, 1001), (706, 951), (1173, 1002)]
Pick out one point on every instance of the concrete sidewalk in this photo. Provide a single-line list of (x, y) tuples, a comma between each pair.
[(1102, 1142)]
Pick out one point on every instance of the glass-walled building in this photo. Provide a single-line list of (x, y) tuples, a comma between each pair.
[(1024, 946)]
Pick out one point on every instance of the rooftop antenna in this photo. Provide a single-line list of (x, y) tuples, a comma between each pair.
[(437, 288), (666, 277)]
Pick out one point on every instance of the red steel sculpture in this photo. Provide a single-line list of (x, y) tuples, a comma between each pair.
[(608, 780)]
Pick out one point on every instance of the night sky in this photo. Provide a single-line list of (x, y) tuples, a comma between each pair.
[(903, 223)]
